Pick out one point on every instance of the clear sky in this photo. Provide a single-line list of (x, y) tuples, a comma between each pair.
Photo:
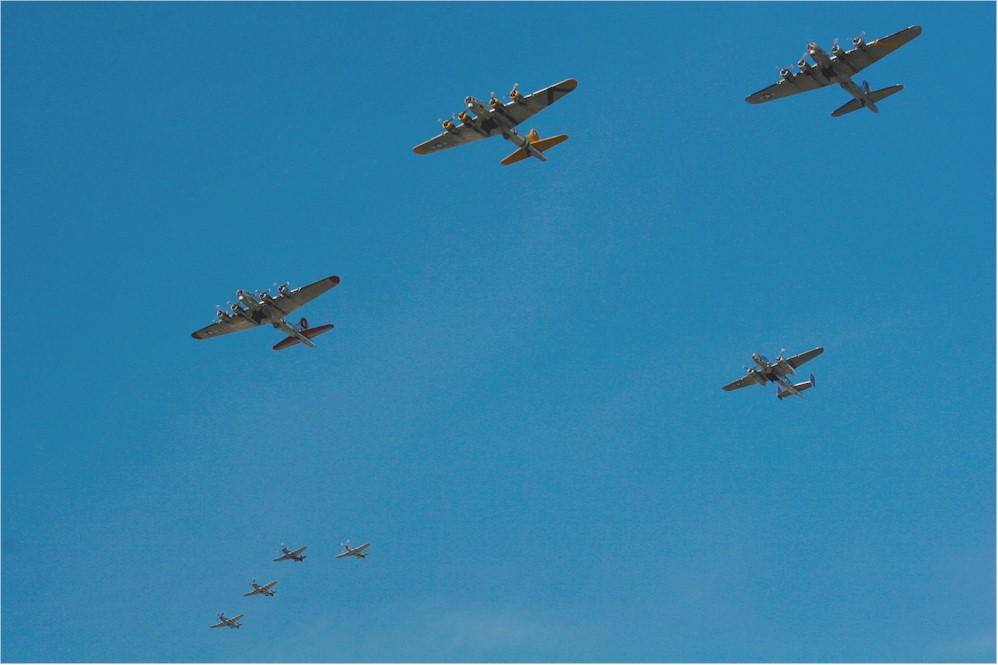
[(520, 405)]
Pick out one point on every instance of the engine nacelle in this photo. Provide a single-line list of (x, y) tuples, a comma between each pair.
[(803, 66), (464, 117), (284, 290), (837, 50), (859, 43), (495, 102), (236, 309), (448, 125), (786, 74), (516, 95)]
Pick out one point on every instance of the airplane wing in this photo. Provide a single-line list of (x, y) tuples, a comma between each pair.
[(862, 57), (460, 135), (801, 358), (283, 557), (362, 547), (269, 586), (304, 294), (799, 82), (235, 619), (253, 592), (219, 624), (231, 325), (530, 104), (741, 383), (298, 551), (344, 555)]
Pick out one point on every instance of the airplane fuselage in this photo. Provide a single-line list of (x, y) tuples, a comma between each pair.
[(504, 123), (767, 372), (266, 310), (837, 71)]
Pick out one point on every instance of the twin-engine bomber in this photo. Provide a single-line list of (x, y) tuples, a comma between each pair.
[(839, 68), (501, 119), (776, 371), (261, 308)]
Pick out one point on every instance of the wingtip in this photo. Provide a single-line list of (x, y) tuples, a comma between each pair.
[(334, 279), (572, 84), (418, 151), (195, 335)]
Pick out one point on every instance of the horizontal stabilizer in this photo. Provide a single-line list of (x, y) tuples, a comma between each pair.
[(308, 332), (541, 145), (876, 96), (799, 387)]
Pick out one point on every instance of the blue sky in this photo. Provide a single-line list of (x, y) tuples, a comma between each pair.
[(520, 406)]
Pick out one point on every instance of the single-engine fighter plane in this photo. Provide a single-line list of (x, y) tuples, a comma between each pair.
[(288, 554), (231, 623), (261, 308), (266, 589), (353, 551), (839, 68), (777, 371), (497, 118)]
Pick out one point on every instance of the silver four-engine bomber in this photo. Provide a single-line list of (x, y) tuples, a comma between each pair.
[(839, 68)]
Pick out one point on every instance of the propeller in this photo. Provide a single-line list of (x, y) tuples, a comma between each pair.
[(779, 356), (858, 38)]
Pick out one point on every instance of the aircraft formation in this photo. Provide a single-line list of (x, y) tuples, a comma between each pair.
[(267, 590), (481, 120)]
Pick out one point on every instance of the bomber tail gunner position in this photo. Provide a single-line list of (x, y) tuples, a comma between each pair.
[(839, 67), (496, 118), (777, 371), (261, 308)]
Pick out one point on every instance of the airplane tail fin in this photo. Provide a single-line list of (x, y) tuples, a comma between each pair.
[(307, 332), (536, 142), (876, 96)]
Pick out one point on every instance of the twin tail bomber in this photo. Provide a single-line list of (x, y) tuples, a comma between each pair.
[(776, 371)]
